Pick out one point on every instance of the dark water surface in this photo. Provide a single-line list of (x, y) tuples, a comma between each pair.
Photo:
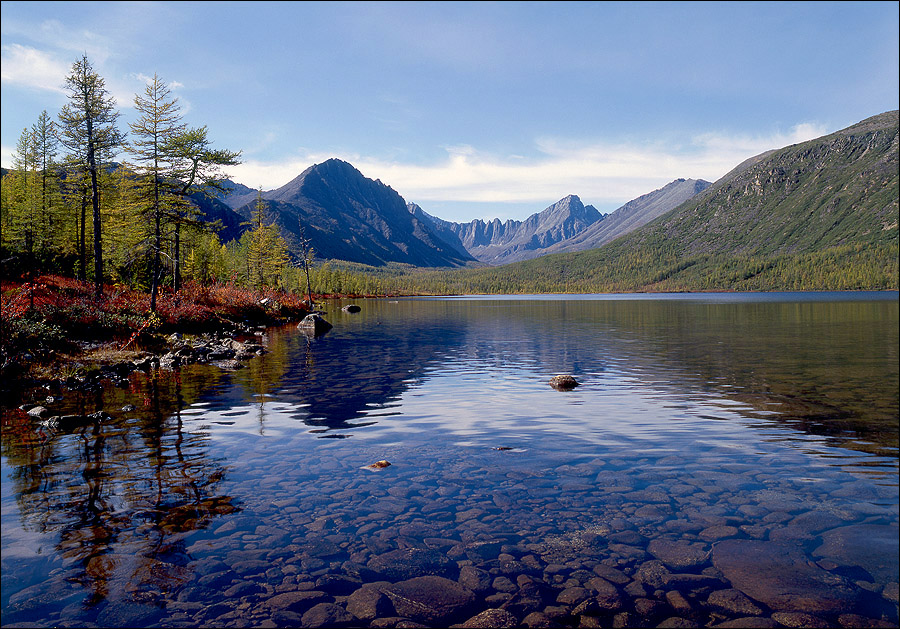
[(726, 458)]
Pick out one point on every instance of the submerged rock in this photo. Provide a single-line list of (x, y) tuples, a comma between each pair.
[(431, 599), (779, 575), (351, 308)]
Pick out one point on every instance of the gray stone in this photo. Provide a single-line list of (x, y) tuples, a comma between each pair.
[(243, 588), (297, 602), (563, 382), (678, 555), (128, 614), (431, 599), (503, 584), (734, 602), (714, 533), (678, 602), (611, 574), (407, 563), (368, 603), (869, 546), (750, 622), (539, 620), (573, 596), (652, 573), (856, 621), (676, 622), (327, 615), (251, 567), (799, 619), (314, 324), (475, 579), (779, 576), (336, 585), (491, 619)]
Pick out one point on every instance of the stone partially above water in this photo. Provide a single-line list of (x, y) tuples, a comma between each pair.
[(563, 382), (780, 576), (314, 324)]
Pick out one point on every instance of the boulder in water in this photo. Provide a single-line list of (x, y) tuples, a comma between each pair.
[(314, 324)]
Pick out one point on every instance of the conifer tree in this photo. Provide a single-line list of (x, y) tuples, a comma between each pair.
[(45, 143), (88, 129), (198, 169), (157, 126), (264, 249)]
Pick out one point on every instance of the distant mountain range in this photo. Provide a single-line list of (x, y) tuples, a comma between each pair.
[(350, 217), (567, 225), (818, 215), (838, 189)]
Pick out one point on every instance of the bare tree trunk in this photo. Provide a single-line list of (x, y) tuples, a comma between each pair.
[(98, 241), (82, 238), (177, 279)]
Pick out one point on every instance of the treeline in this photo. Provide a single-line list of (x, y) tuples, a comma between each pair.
[(662, 269), (68, 208)]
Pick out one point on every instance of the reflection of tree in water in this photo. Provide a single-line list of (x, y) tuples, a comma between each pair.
[(122, 493), (260, 378)]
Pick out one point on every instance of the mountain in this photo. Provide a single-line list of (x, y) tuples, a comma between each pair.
[(236, 194), (443, 229), (633, 215), (494, 242), (818, 215), (567, 225), (212, 209), (840, 189), (347, 216)]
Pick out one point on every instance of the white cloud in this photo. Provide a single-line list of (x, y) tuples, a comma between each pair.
[(6, 156), (597, 172), (30, 67)]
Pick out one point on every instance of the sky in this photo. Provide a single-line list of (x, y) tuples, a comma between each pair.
[(472, 110)]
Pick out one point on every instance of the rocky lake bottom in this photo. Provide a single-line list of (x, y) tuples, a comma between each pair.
[(638, 499)]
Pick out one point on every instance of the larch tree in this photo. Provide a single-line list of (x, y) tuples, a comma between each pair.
[(45, 143), (21, 210), (152, 135), (197, 167), (264, 249), (88, 129)]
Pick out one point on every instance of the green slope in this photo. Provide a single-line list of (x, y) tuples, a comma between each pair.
[(819, 215)]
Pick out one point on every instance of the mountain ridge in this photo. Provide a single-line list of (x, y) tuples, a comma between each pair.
[(817, 215), (346, 216)]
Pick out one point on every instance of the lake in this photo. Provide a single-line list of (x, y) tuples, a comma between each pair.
[(726, 459)]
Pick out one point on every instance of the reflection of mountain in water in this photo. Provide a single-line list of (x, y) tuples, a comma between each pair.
[(367, 361), (818, 366)]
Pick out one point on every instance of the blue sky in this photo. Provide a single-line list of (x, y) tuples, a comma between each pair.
[(473, 110)]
